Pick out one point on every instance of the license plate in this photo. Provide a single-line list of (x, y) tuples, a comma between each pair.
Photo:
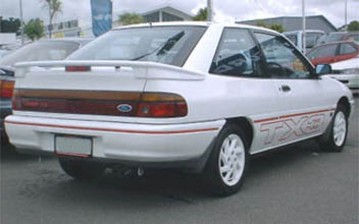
[(73, 145)]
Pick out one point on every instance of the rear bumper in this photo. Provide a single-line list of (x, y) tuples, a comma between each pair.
[(147, 143), (5, 110)]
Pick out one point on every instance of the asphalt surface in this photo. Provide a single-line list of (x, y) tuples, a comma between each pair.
[(297, 185)]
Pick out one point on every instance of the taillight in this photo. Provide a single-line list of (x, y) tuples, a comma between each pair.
[(78, 68), (130, 104), (161, 105), (7, 88)]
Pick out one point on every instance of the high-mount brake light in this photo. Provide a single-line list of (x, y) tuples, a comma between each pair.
[(6, 89), (78, 68), (129, 104)]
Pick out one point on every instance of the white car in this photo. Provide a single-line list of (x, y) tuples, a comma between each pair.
[(311, 38), (202, 97), (347, 72)]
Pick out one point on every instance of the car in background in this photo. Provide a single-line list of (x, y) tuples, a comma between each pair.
[(311, 38), (54, 49), (3, 52), (338, 36), (333, 52), (197, 96), (347, 72)]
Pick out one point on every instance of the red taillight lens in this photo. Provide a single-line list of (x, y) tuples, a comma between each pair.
[(130, 104), (161, 105), (7, 88), (78, 68)]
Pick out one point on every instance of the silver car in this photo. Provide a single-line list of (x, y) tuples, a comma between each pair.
[(54, 49)]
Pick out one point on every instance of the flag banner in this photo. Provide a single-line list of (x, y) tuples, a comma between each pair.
[(101, 11)]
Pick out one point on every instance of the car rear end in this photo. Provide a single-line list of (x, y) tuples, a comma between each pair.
[(56, 49), (117, 109)]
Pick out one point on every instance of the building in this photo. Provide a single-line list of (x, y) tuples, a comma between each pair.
[(166, 14), (64, 29), (161, 14), (292, 23)]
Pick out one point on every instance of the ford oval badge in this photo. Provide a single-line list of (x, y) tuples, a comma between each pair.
[(125, 108)]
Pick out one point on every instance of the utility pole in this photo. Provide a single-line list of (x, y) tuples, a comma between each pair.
[(346, 14), (304, 44), (209, 10), (50, 19), (21, 23)]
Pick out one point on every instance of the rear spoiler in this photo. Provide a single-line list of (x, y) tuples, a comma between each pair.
[(148, 70)]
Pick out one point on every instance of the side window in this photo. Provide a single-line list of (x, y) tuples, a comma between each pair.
[(311, 39), (323, 51), (354, 37), (282, 59), (237, 55), (347, 49)]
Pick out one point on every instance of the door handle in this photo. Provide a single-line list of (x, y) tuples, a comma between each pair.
[(285, 88)]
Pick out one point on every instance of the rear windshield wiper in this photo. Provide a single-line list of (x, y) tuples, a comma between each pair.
[(163, 48)]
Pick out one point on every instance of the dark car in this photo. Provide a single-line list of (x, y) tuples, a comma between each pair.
[(333, 52), (55, 49)]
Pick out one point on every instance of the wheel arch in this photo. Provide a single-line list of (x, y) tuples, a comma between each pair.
[(247, 126), (344, 101)]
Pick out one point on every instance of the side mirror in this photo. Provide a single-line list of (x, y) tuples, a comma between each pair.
[(323, 69)]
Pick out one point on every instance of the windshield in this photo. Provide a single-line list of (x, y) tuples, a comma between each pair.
[(38, 51), (168, 45)]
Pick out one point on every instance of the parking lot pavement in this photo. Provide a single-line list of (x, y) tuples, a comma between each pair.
[(296, 185)]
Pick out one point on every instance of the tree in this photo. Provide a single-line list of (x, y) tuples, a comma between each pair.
[(201, 15), (34, 29), (130, 18), (261, 23), (274, 26), (54, 7), (353, 26), (277, 27), (10, 25)]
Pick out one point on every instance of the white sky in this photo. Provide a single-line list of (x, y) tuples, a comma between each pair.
[(227, 10)]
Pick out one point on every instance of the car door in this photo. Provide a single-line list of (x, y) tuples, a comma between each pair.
[(304, 97), (238, 65)]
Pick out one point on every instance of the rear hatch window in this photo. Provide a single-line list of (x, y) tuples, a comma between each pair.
[(165, 44)]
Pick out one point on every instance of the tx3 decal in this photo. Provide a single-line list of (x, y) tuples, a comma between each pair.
[(293, 127)]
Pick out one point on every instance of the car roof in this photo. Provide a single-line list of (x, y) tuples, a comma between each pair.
[(191, 23)]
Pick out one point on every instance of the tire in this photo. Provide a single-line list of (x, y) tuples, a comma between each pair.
[(335, 137), (81, 170), (228, 162)]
